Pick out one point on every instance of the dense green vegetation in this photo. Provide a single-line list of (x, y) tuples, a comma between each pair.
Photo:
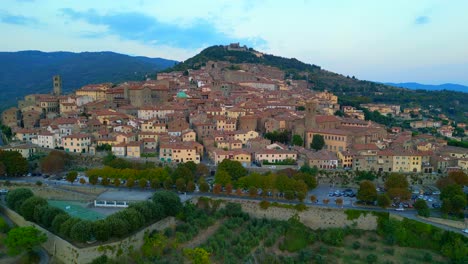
[(117, 225), (289, 184), (76, 69), (211, 233), (12, 163)]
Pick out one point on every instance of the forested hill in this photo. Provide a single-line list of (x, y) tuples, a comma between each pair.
[(349, 89), (27, 72)]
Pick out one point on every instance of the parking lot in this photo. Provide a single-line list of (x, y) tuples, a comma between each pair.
[(323, 192)]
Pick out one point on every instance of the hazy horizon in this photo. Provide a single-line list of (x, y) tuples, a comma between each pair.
[(385, 41)]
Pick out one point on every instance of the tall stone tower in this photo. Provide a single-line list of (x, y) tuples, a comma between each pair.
[(309, 121), (57, 85)]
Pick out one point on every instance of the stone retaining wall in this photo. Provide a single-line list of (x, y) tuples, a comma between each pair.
[(69, 253), (314, 217)]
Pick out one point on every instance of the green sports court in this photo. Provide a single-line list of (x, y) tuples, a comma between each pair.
[(77, 209)]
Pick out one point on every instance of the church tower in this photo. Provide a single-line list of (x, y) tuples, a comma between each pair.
[(57, 85), (309, 121)]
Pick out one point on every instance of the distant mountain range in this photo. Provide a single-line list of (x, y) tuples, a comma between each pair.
[(430, 87), (27, 72)]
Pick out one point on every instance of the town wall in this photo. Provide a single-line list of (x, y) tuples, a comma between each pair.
[(66, 252), (313, 217)]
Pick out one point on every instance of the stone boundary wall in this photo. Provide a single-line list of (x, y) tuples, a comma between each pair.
[(314, 217), (68, 253)]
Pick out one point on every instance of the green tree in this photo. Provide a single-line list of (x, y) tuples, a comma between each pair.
[(180, 185), (318, 142), (233, 168), (397, 186), (66, 226), (222, 177), (27, 208), (101, 230), (48, 215), (367, 192), (58, 221), (201, 171), (117, 182), (2, 169), (16, 198), (15, 164), (142, 183), (204, 187), (71, 176), (197, 255), (383, 200), (93, 179), (297, 140), (453, 199), (169, 201), (130, 182), (82, 231), (422, 208), (190, 186), (22, 239)]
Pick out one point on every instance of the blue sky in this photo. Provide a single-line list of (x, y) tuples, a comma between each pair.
[(397, 41)]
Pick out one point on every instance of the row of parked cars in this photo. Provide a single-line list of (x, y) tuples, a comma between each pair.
[(342, 193)]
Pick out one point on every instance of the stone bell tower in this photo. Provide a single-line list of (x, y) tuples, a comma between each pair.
[(57, 80)]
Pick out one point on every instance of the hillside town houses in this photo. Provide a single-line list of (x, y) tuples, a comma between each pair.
[(218, 112)]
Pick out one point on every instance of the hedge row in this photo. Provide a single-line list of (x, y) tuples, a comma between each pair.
[(117, 225)]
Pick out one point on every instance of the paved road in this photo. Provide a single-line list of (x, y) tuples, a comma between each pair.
[(321, 192)]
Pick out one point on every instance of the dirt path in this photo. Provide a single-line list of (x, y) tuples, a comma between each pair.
[(203, 235)]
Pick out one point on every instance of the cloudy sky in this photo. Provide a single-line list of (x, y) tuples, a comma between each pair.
[(397, 40)]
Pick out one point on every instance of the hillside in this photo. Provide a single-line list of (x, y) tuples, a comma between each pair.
[(349, 89), (27, 72), (429, 87)]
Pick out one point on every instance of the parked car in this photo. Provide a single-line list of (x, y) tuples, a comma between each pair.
[(400, 209), (435, 205), (465, 230), (3, 191)]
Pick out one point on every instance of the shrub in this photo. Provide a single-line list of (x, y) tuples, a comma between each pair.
[(48, 215), (427, 257), (117, 226), (100, 260), (16, 198), (3, 226), (389, 251), (371, 258), (66, 226), (373, 239), (264, 204), (102, 230), (28, 206), (81, 231), (58, 221), (170, 202), (300, 207), (333, 236), (356, 245)]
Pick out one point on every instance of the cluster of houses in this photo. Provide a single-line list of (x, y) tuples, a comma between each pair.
[(220, 112)]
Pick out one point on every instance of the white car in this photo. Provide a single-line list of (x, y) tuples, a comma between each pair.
[(400, 209), (465, 230)]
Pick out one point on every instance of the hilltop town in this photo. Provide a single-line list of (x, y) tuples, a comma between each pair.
[(250, 113)]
